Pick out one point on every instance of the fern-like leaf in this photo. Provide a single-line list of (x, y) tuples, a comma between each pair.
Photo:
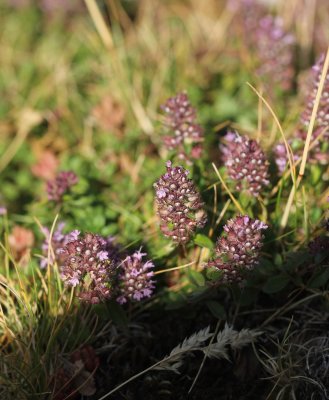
[(230, 337), (192, 343)]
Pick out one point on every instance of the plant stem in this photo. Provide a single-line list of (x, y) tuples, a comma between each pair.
[(100, 24)]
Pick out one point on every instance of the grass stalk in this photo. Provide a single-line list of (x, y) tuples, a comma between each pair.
[(294, 188), (100, 24)]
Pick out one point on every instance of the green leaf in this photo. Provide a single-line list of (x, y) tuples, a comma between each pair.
[(213, 274), (320, 279), (265, 267), (276, 283), (216, 309), (203, 241), (81, 187), (278, 259), (196, 277), (316, 174)]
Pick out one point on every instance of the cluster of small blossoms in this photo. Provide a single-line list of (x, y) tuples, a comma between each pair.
[(60, 239), (319, 153), (86, 262), (238, 250), (246, 163), (274, 48), (63, 181), (94, 264), (322, 118), (179, 205), (135, 278), (270, 44), (181, 120)]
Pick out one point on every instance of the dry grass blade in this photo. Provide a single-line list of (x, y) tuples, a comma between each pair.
[(235, 201), (100, 24), (288, 148), (294, 189)]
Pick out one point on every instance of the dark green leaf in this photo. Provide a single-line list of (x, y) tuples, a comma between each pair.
[(320, 279), (216, 309), (213, 274), (276, 283), (203, 241), (196, 277)]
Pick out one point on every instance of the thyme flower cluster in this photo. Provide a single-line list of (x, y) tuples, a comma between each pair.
[(319, 153), (322, 118), (179, 205), (135, 278), (274, 48), (63, 181), (87, 263), (97, 266), (238, 249), (246, 163), (180, 119), (271, 46)]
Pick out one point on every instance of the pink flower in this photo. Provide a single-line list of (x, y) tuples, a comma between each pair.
[(238, 249), (179, 204), (187, 134), (135, 281), (246, 163), (60, 185)]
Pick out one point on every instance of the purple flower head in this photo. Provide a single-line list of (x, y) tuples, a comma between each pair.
[(246, 163), (319, 153), (187, 135), (87, 264), (60, 185), (135, 281), (271, 47), (179, 204), (274, 49), (238, 249), (322, 118)]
